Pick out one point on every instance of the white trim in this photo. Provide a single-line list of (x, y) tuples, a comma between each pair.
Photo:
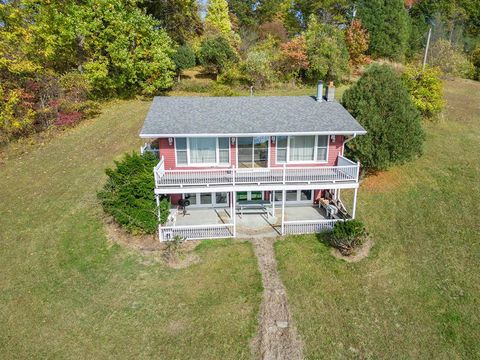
[(147, 136), (217, 163), (315, 152), (269, 149), (254, 187)]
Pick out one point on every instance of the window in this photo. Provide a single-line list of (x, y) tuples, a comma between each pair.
[(322, 147), (221, 198), (302, 148), (305, 195), (203, 150), (291, 195), (205, 198), (224, 150), (181, 149), (282, 146)]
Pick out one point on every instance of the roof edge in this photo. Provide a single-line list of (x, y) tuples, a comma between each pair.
[(148, 136)]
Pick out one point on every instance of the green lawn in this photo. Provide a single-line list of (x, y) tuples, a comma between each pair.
[(66, 292), (418, 294)]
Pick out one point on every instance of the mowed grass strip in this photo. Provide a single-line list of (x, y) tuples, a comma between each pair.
[(417, 296), (66, 292)]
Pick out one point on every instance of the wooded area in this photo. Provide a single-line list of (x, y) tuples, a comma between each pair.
[(58, 58)]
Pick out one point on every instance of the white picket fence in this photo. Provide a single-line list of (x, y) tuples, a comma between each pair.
[(196, 232), (308, 226)]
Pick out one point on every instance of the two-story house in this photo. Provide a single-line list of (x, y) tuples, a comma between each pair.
[(246, 155)]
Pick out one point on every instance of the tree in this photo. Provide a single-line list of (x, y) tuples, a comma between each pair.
[(180, 18), (217, 18), (426, 89), (450, 59), (327, 51), (293, 57), (388, 25), (184, 58), (216, 53), (357, 38), (333, 12), (244, 10), (381, 103)]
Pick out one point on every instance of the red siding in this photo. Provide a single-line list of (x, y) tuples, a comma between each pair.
[(168, 153)]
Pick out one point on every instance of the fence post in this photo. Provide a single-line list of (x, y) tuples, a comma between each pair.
[(233, 175), (284, 172), (358, 170)]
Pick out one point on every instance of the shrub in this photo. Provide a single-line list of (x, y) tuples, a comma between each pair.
[(426, 89), (172, 248), (258, 67), (381, 103), (16, 115), (346, 236), (450, 59), (475, 59), (223, 90), (232, 76), (128, 194), (216, 53), (184, 58)]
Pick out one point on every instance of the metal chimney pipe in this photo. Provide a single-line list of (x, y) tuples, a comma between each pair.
[(320, 91)]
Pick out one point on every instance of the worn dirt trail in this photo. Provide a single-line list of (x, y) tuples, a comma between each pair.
[(277, 337)]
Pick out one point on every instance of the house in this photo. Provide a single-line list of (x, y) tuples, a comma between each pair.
[(232, 162)]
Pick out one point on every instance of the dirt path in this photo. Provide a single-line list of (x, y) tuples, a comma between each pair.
[(277, 337)]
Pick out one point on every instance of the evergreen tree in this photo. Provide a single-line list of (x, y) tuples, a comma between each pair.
[(216, 53), (217, 18), (388, 23), (381, 103), (327, 51), (184, 58)]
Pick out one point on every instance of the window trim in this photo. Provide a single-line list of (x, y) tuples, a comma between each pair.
[(315, 152), (217, 154)]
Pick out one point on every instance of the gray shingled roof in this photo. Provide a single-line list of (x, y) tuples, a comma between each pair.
[(180, 116)]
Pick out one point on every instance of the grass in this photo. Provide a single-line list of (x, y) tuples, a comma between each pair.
[(417, 295), (66, 292)]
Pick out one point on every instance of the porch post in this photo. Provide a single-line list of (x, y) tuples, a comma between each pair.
[(283, 212), (273, 202), (234, 212), (354, 203), (157, 199)]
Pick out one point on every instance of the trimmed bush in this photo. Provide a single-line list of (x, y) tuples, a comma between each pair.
[(128, 194), (346, 236), (381, 103)]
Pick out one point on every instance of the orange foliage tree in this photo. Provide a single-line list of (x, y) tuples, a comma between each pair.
[(357, 39), (293, 57)]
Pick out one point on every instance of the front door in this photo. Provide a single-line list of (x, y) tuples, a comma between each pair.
[(253, 151)]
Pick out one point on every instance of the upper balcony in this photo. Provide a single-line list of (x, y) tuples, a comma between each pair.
[(169, 181)]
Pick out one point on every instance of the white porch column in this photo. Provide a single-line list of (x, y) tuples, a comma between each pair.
[(234, 208), (157, 199), (273, 202), (354, 203), (283, 212)]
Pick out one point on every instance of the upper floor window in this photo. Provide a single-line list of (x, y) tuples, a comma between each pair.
[(205, 150), (298, 149)]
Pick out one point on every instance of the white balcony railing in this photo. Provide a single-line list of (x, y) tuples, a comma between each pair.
[(197, 232), (308, 226), (346, 171)]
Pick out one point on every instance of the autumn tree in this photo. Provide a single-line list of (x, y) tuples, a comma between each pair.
[(357, 39), (217, 18), (293, 57), (327, 51)]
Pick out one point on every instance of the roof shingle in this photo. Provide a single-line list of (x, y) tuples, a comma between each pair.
[(253, 115)]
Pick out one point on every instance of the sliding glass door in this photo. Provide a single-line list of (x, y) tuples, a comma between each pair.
[(253, 151)]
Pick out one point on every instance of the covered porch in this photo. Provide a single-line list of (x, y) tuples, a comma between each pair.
[(262, 218)]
